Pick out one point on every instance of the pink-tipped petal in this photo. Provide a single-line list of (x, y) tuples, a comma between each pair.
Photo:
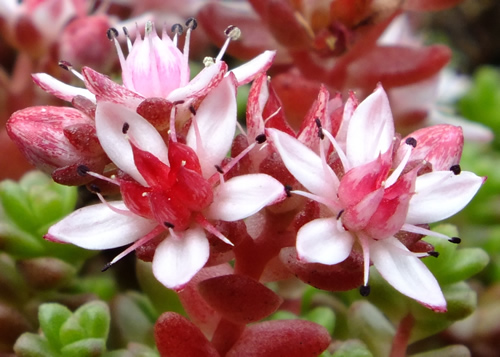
[(59, 89), (110, 119), (201, 85), (99, 227), (242, 196), (247, 71), (324, 241), (441, 194), (107, 90), (216, 120), (406, 273), (304, 164), (371, 129), (178, 259)]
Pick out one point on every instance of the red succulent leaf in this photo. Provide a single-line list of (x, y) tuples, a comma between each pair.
[(344, 276), (282, 338), (239, 298), (397, 66), (177, 336), (156, 111), (214, 17)]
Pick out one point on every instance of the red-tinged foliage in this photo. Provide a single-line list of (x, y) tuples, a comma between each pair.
[(178, 337), (430, 5), (83, 137), (156, 111), (297, 94), (239, 298), (344, 276), (283, 338), (349, 12), (214, 18), (397, 66)]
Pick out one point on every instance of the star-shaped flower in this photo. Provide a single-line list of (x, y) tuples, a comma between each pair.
[(373, 196)]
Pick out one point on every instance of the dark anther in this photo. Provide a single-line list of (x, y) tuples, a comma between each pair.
[(260, 138), (192, 110), (168, 225), (177, 29), (219, 169), (456, 169), (125, 31), (455, 240), (94, 188), (228, 30), (82, 170), (232, 32), (318, 123), (433, 253), (65, 65), (412, 142), (178, 102), (106, 267), (320, 133), (192, 23), (125, 128), (112, 33), (288, 190), (364, 290), (340, 214)]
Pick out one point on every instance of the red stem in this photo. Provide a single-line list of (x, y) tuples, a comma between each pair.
[(400, 342)]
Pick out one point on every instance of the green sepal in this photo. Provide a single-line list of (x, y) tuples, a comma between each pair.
[(52, 317), (32, 345), (88, 347)]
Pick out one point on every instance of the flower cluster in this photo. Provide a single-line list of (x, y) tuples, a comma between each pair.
[(344, 191)]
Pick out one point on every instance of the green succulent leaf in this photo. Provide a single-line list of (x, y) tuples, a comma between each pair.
[(32, 345), (85, 348), (52, 317)]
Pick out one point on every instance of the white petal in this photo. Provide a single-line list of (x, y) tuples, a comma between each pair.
[(99, 227), (406, 273), (109, 120), (371, 129), (59, 89), (323, 241), (247, 71), (441, 194), (216, 120), (305, 165), (242, 196), (178, 259), (200, 84)]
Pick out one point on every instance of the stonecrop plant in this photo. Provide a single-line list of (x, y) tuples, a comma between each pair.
[(311, 234)]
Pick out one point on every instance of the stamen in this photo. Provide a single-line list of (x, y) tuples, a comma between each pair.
[(112, 33), (219, 169), (169, 225), (68, 67), (340, 214), (202, 221), (332, 205), (338, 149), (191, 23), (456, 169), (82, 170), (364, 290), (177, 30), (320, 129), (192, 109), (288, 190), (125, 128), (412, 142), (120, 211), (427, 232), (391, 180), (365, 247), (214, 178), (261, 138), (208, 61), (173, 114), (232, 33), (433, 253), (94, 188), (157, 230), (129, 41)]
